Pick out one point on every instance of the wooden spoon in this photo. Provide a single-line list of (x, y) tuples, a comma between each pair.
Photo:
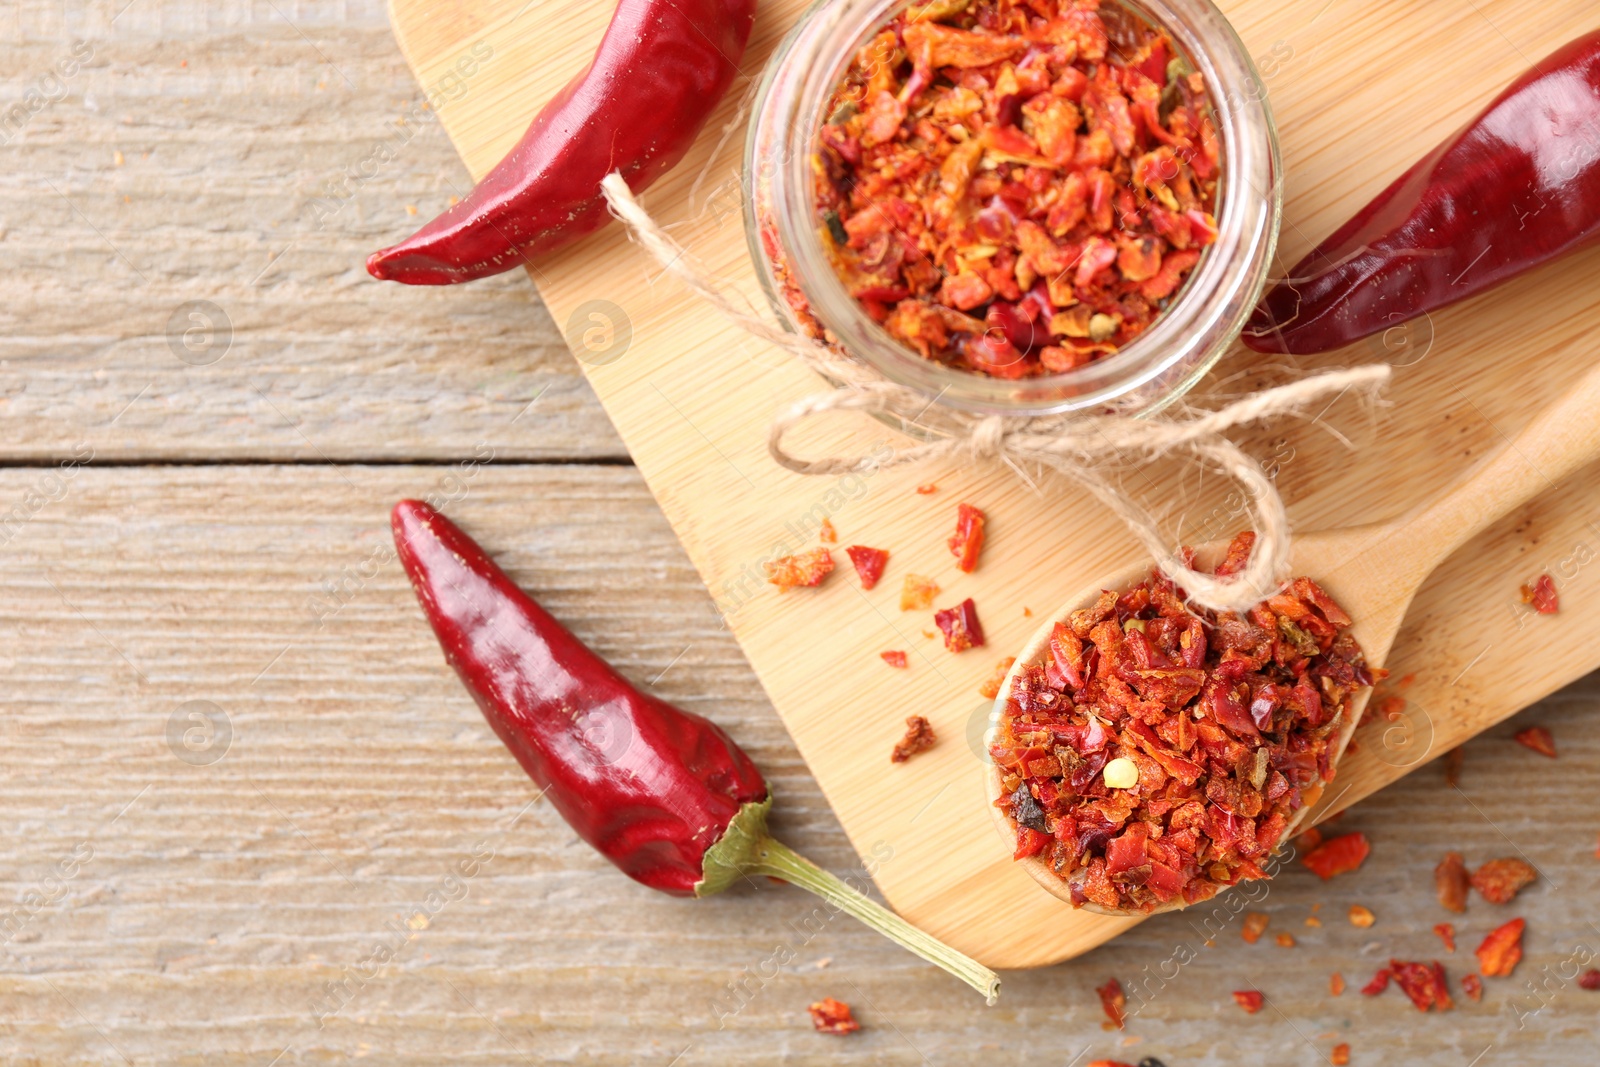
[(1373, 571)]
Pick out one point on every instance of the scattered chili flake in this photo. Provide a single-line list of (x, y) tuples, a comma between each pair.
[(967, 541), (960, 626), (991, 686), (1338, 855), (869, 564), (1537, 738), (1340, 1056), (1285, 940), (1590, 980), (1016, 190), (1447, 934), (1542, 595), (919, 738), (831, 1016), (1227, 719), (1336, 984), (1472, 986), (1452, 766), (1361, 916), (927, 490), (895, 659), (1312, 920), (917, 593), (1255, 924), (795, 572), (1423, 983), (1450, 881), (1379, 983), (1500, 880), (1249, 999), (827, 534), (1115, 1002), (1501, 950)]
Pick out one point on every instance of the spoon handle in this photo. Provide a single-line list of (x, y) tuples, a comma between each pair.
[(1562, 440)]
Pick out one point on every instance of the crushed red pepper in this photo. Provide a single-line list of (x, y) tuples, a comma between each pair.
[(992, 685), (1501, 880), (1255, 924), (831, 1016), (1336, 984), (802, 571), (1472, 986), (1500, 951), (1542, 595), (917, 593), (1014, 188), (1228, 720), (1590, 980), (919, 738), (1115, 1002), (895, 659), (1447, 934), (967, 541), (1451, 882), (1423, 983), (1340, 1056), (960, 626), (827, 534), (1249, 999), (868, 562), (1537, 738), (1338, 855)]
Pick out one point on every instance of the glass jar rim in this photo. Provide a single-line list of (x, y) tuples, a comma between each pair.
[(1203, 319)]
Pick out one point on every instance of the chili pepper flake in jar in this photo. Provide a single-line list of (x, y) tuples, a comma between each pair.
[(1229, 722), (1017, 189)]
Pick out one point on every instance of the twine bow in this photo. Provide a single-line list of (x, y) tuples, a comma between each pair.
[(1085, 448)]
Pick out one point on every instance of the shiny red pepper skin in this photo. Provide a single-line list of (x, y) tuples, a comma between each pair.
[(1517, 187), (660, 71), (651, 787)]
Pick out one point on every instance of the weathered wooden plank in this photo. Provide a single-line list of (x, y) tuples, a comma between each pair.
[(248, 155), (193, 912)]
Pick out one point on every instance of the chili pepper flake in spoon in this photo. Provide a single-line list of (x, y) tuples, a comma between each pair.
[(1158, 755), (665, 795)]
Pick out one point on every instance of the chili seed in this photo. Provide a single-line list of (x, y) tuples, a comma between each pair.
[(1361, 917), (1121, 773)]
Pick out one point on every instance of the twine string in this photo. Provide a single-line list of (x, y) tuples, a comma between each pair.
[(1084, 448)]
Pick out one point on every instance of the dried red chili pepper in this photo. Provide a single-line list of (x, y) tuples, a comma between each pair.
[(1537, 738), (1254, 925), (1379, 983), (1336, 984), (1249, 999), (831, 1016), (1114, 1002), (1010, 191), (919, 738), (1214, 724), (1285, 940), (895, 659), (991, 686), (967, 541), (670, 60), (827, 534), (1338, 855), (1590, 980), (1447, 934), (1513, 189), (1472, 986), (1501, 880), (1361, 916), (804, 571), (1340, 1056), (1542, 595), (1451, 882), (917, 593), (868, 562), (1423, 983), (662, 793), (1500, 951), (960, 626)]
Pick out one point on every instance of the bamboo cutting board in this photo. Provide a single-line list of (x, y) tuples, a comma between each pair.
[(1359, 91)]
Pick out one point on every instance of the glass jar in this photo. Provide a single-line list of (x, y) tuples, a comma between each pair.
[(1204, 318)]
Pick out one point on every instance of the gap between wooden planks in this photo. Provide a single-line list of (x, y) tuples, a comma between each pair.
[(692, 398)]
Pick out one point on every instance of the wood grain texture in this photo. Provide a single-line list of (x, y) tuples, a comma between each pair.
[(249, 155), (692, 399), (218, 901)]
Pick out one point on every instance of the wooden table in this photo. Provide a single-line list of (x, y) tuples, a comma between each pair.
[(238, 776)]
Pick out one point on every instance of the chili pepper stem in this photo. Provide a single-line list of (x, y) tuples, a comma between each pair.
[(773, 857), (746, 848)]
